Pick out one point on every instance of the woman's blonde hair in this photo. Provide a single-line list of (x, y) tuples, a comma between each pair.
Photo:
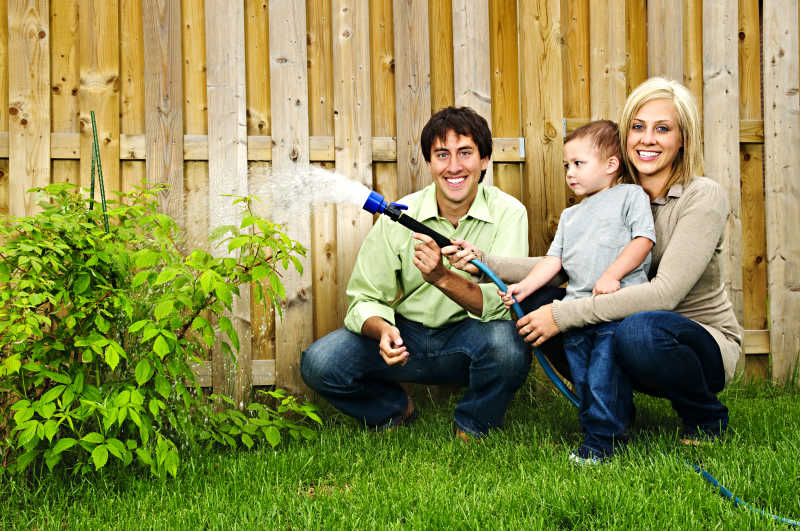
[(689, 161)]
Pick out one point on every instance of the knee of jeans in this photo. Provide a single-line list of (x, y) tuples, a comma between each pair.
[(636, 335), (317, 366), (509, 353)]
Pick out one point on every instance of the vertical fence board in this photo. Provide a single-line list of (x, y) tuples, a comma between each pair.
[(505, 88), (607, 28), (323, 261), (132, 85), (65, 106), (99, 90), (440, 24), (258, 123), (381, 36), (164, 103), (412, 91), (4, 103), (471, 53), (353, 127), (540, 72), (320, 69), (665, 39), (576, 62), (290, 152), (754, 235), (694, 44), (782, 160), (28, 101), (636, 39), (720, 84), (227, 169)]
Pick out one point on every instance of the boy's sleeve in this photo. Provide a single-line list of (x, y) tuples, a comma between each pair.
[(640, 216), (373, 283)]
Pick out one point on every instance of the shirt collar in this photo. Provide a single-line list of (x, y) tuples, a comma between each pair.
[(675, 191), (478, 210)]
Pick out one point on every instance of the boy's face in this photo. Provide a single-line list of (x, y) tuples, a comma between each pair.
[(456, 166), (587, 173)]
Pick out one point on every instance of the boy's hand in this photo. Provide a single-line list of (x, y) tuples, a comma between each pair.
[(514, 291), (605, 284)]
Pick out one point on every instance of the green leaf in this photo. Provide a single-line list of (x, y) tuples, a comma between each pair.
[(237, 242), (50, 429), (144, 456), (100, 456), (140, 278), (247, 440), (64, 444), (101, 323), (146, 258), (207, 281), (198, 323), (11, 365), (144, 371), (23, 415), (93, 438), (52, 394), (153, 407), (46, 410), (171, 462), (52, 460), (81, 283), (272, 435), (162, 386), (276, 286), (161, 347), (112, 357), (116, 448), (138, 325), (260, 272), (164, 308), (165, 276)]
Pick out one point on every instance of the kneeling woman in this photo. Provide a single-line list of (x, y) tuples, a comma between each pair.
[(678, 338)]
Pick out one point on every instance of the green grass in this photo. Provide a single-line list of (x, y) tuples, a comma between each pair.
[(420, 477)]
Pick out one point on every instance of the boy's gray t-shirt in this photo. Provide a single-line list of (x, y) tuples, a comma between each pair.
[(593, 233)]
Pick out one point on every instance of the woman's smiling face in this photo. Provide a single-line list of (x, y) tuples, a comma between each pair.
[(654, 140)]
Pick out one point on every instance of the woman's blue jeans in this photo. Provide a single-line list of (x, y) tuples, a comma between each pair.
[(489, 358)]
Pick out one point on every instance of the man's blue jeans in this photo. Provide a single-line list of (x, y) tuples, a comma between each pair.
[(489, 358), (603, 389)]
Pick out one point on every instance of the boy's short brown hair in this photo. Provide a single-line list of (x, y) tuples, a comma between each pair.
[(604, 135)]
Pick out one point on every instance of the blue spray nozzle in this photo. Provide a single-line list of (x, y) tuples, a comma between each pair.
[(376, 204)]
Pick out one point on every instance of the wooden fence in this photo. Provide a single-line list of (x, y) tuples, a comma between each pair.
[(195, 93)]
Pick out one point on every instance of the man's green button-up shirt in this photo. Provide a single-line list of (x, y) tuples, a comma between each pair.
[(386, 282)]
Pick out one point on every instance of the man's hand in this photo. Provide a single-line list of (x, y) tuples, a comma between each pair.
[(605, 284), (391, 346), (428, 259), (538, 326), (461, 253)]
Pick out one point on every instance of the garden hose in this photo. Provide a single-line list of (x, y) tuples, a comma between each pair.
[(375, 204)]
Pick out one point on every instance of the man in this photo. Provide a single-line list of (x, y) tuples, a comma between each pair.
[(413, 319)]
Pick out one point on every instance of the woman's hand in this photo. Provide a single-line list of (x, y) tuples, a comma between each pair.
[(538, 326), (461, 253)]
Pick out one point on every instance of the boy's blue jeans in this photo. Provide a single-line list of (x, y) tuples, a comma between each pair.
[(490, 358), (604, 391)]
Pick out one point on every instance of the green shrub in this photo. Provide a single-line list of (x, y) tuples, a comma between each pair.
[(98, 331)]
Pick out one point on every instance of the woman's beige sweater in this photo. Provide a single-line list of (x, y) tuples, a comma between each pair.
[(685, 276)]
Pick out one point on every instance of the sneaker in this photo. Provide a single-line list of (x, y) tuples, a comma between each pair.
[(584, 456), (696, 436)]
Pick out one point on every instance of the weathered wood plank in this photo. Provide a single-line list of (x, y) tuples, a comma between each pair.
[(440, 24), (227, 169), (412, 91), (505, 92), (694, 44), (575, 57), (353, 127), (608, 57), (665, 39), (28, 102), (471, 61), (99, 87), (782, 160), (320, 67), (323, 265), (65, 82), (263, 373), (163, 90), (132, 90), (4, 185), (540, 72), (290, 153), (636, 42), (721, 121), (381, 36)]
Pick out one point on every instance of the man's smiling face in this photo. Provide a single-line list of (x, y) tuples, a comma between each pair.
[(456, 166)]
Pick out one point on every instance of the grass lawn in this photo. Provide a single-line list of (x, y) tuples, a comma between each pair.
[(421, 477)]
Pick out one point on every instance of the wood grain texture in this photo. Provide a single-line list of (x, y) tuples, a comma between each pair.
[(441, 30), (290, 153), (695, 45), (471, 60), (227, 170), (4, 180), (782, 159), (163, 89), (721, 149), (256, 37), (65, 74), (636, 37), (412, 91), (320, 67), (132, 91), (505, 90), (576, 58), (665, 39), (382, 78), (540, 72), (608, 59), (28, 102), (99, 87)]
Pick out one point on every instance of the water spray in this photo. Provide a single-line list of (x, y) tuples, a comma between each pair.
[(376, 204)]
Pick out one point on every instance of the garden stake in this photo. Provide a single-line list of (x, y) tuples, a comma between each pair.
[(96, 156), (376, 204)]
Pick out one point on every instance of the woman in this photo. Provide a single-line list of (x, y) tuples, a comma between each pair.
[(678, 338)]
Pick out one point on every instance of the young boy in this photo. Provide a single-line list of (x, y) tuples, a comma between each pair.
[(602, 243)]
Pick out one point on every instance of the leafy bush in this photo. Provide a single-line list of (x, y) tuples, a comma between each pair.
[(98, 331)]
